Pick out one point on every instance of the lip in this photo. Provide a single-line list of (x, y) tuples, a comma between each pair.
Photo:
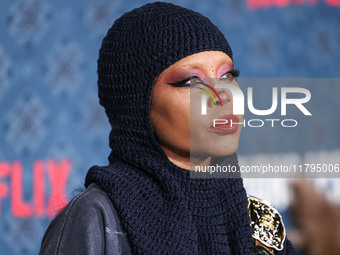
[(225, 128)]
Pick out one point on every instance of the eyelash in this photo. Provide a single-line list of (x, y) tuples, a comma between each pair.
[(183, 83)]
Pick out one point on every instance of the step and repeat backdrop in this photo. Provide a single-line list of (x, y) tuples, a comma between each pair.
[(52, 128)]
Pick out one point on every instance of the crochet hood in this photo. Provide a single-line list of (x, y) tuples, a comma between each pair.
[(162, 209)]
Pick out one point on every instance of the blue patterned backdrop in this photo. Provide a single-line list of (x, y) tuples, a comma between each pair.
[(49, 109)]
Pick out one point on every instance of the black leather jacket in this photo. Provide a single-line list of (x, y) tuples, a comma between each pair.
[(89, 224)]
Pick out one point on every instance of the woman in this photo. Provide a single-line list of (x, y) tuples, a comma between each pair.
[(151, 64)]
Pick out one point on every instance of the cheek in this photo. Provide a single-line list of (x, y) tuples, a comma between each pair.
[(170, 115), (174, 109)]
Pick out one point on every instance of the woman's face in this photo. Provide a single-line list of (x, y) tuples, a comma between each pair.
[(176, 106)]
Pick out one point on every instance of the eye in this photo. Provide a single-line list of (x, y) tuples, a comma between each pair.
[(194, 80), (227, 75), (230, 75), (188, 82)]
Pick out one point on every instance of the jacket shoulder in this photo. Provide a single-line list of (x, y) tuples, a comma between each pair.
[(89, 224)]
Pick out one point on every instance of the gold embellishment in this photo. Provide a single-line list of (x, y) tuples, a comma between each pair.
[(267, 224)]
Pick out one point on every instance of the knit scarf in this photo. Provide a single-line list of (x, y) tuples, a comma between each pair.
[(164, 211)]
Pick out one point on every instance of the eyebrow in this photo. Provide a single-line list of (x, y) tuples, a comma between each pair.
[(193, 65), (199, 64)]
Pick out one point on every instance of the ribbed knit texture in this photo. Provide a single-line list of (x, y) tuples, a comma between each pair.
[(162, 209), (137, 48), (170, 213)]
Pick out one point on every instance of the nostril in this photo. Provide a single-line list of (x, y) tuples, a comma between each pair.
[(225, 98)]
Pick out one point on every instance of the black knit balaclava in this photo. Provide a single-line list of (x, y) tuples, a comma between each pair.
[(161, 208), (137, 48)]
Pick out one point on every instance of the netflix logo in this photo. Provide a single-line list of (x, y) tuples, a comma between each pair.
[(50, 172)]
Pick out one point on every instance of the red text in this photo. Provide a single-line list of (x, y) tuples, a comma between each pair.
[(56, 173)]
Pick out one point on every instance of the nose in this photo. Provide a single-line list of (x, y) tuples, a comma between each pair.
[(224, 96)]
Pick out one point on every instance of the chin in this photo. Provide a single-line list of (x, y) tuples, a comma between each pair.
[(224, 152), (215, 149), (214, 145)]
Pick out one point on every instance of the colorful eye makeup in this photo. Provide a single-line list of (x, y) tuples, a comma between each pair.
[(195, 80), (231, 74)]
